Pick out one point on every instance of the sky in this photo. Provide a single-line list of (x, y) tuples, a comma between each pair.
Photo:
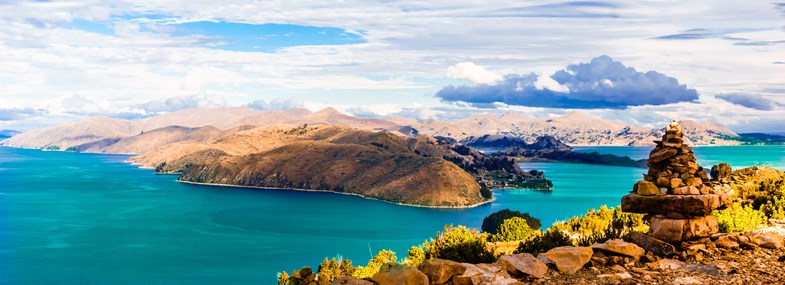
[(641, 62)]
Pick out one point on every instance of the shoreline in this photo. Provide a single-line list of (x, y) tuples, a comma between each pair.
[(342, 193)]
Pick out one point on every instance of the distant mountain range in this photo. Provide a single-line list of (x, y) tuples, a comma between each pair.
[(574, 128)]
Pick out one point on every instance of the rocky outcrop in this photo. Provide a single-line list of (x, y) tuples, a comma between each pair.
[(680, 209), (439, 271)]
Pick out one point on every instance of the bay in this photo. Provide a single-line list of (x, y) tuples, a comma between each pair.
[(70, 218)]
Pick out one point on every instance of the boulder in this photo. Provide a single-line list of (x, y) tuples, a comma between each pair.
[(693, 181), (394, 273), (620, 247), (567, 259), (651, 244), (693, 205), (726, 242), (675, 230), (721, 172), (439, 271), (349, 280), (644, 187), (767, 240), (523, 264)]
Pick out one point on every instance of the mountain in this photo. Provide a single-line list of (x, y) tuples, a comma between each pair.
[(574, 128), (101, 130), (374, 164)]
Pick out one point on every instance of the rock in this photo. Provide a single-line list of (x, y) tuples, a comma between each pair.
[(644, 187), (616, 276), (652, 244), (767, 240), (394, 273), (349, 280), (693, 205), (567, 259), (707, 269), (523, 264), (439, 271), (665, 264), (663, 181), (618, 246), (661, 154), (686, 281), (675, 230), (721, 172), (675, 182), (693, 181), (618, 268), (727, 243)]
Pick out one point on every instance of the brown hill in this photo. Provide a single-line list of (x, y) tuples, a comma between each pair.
[(372, 164)]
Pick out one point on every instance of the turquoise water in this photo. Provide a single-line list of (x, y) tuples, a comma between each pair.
[(70, 218)]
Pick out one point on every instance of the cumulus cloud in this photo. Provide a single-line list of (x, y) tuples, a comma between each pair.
[(601, 83), (200, 100), (472, 72), (752, 101), (276, 104), (11, 114)]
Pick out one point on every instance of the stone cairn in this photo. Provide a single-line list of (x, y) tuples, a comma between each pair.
[(676, 193)]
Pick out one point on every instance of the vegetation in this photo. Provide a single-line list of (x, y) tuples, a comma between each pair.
[(739, 218), (459, 244), (543, 242), (756, 139), (493, 221), (601, 224), (513, 229), (384, 256), (333, 269)]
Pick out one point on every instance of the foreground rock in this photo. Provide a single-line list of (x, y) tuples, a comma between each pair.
[(439, 271), (523, 265), (680, 209), (567, 259), (394, 273)]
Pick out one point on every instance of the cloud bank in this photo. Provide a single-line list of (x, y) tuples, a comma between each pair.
[(752, 101), (601, 83), (276, 104)]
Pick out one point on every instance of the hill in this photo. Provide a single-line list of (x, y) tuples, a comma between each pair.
[(374, 164)]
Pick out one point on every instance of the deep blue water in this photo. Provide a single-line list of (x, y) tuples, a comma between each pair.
[(70, 218)]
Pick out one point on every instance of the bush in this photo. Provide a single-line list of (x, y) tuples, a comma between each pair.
[(384, 256), (459, 244), (739, 218), (513, 229), (416, 256), (601, 224), (774, 208), (333, 269), (544, 242), (493, 221)]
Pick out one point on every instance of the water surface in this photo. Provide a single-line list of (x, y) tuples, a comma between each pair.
[(70, 218)]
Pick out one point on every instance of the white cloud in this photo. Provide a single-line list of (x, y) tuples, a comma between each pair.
[(472, 72), (545, 81)]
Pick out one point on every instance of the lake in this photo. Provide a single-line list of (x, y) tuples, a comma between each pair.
[(94, 219)]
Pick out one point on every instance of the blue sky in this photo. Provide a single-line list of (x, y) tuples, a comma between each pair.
[(641, 62)]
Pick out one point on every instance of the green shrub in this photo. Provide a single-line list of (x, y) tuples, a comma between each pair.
[(544, 242), (493, 221), (459, 244), (738, 218), (513, 229), (384, 256), (599, 225)]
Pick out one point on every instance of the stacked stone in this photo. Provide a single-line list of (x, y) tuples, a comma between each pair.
[(676, 193)]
